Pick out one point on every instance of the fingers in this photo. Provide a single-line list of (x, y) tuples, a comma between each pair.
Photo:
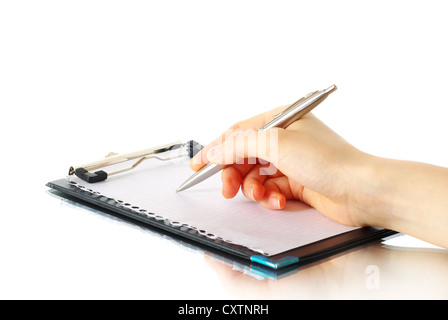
[(253, 123), (252, 186), (232, 177), (270, 191), (256, 180), (238, 148), (247, 144), (273, 197), (200, 159), (253, 183), (231, 181)]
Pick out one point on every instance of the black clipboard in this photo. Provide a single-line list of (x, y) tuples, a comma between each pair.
[(281, 262)]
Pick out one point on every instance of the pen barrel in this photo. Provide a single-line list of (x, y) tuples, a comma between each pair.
[(283, 119), (209, 170), (291, 114), (297, 110)]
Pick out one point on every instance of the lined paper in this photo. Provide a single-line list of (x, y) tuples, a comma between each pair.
[(152, 186)]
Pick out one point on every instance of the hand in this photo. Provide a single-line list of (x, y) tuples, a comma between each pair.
[(314, 165), (318, 167)]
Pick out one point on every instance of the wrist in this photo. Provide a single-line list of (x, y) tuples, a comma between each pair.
[(371, 191), (405, 196), (386, 193)]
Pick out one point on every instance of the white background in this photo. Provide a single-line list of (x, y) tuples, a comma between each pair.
[(79, 79)]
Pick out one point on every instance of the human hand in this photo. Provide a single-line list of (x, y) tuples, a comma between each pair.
[(314, 164)]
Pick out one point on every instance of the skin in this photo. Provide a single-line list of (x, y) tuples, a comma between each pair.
[(318, 167)]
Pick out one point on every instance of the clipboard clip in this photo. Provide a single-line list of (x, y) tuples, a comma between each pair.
[(164, 152)]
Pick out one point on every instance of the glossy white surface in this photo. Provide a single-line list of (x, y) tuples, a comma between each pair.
[(81, 80)]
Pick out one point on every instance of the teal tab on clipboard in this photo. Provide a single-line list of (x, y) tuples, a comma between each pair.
[(274, 263)]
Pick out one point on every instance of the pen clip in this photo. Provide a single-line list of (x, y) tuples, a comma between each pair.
[(292, 106)]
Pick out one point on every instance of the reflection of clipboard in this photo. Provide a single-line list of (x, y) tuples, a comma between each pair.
[(293, 255)]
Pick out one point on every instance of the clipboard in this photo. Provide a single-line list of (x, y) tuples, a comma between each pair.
[(279, 263)]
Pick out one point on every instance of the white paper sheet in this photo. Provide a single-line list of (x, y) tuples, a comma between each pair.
[(152, 186)]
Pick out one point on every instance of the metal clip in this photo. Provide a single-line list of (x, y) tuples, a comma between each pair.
[(163, 152), (287, 109)]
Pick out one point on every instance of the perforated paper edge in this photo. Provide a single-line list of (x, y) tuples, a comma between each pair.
[(167, 221)]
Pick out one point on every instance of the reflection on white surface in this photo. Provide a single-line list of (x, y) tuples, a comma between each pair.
[(65, 251), (371, 272), (405, 241)]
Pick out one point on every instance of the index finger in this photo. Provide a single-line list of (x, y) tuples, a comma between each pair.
[(200, 159)]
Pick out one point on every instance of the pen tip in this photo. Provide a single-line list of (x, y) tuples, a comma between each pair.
[(331, 89)]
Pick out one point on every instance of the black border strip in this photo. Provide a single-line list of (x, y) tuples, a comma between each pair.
[(306, 254), (115, 208)]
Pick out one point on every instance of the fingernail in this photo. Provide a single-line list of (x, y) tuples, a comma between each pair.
[(276, 202), (214, 154), (252, 193), (279, 205), (196, 160)]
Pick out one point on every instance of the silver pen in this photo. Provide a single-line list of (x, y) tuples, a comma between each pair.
[(292, 113)]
